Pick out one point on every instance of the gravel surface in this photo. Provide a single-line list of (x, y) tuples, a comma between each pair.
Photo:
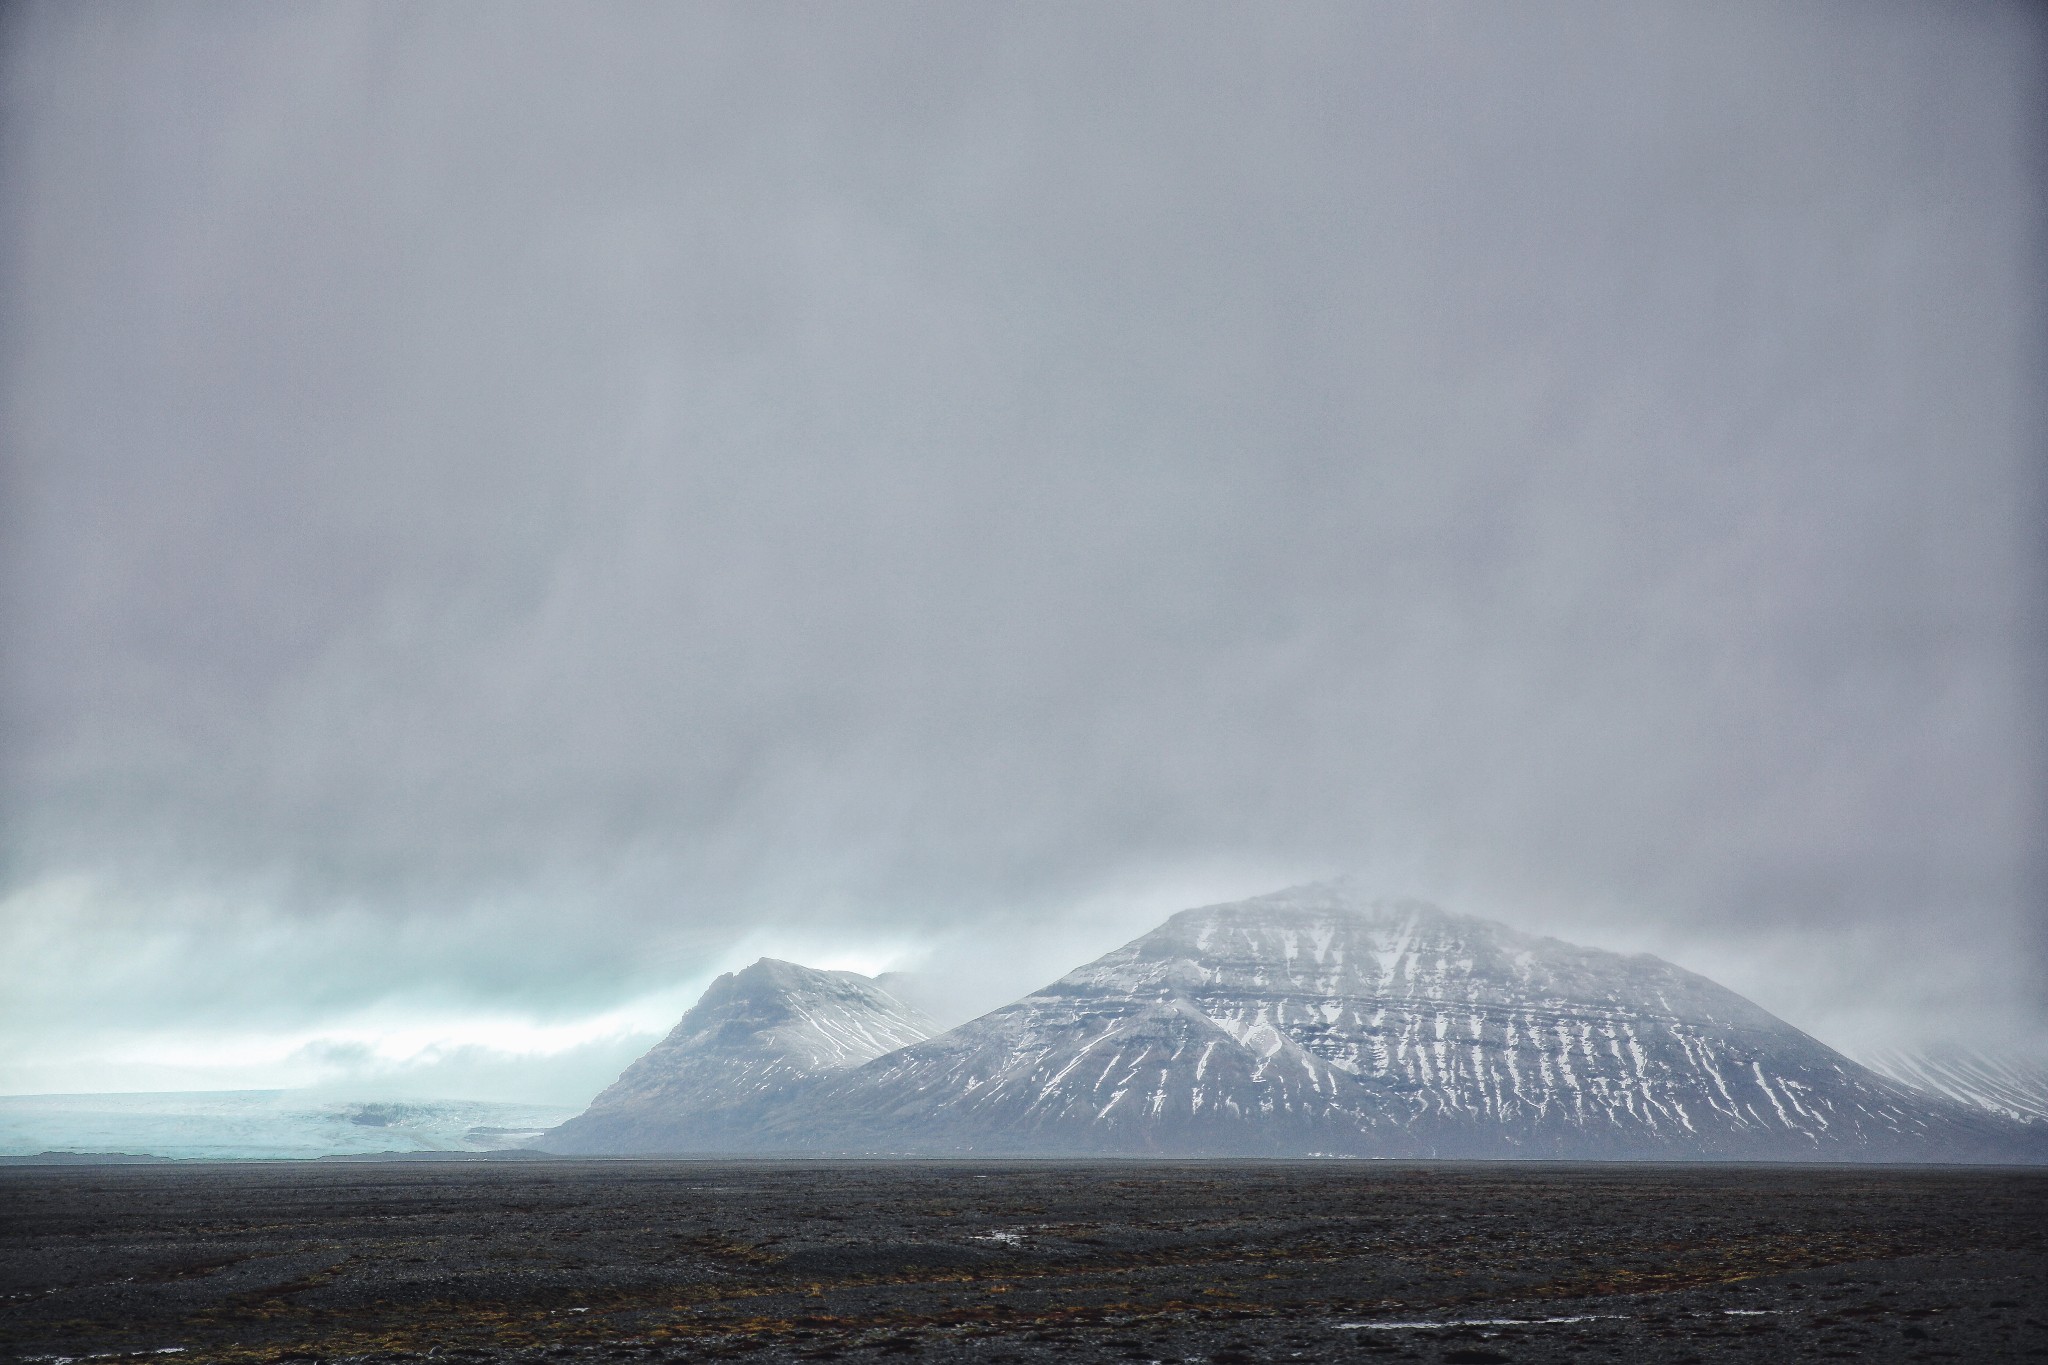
[(630, 1260)]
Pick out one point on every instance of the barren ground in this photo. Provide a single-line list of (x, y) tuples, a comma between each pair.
[(658, 1261)]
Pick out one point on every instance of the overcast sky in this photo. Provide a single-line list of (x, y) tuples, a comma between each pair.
[(511, 510)]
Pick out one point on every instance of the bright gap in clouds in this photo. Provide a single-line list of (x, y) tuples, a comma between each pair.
[(389, 1053), (393, 1047)]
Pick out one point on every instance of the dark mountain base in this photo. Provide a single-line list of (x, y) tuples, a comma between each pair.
[(632, 1261)]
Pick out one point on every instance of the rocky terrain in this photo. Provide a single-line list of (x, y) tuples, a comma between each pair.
[(1317, 1021), (633, 1261)]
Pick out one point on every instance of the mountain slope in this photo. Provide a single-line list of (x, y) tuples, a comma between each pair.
[(756, 1040), (2010, 1084), (1317, 1021)]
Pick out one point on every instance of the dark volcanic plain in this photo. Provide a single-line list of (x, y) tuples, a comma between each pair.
[(1223, 1262)]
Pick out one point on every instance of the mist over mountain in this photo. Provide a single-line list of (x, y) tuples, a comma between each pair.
[(1313, 1021)]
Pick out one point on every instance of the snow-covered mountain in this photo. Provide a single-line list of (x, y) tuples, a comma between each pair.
[(1319, 1021), (756, 1041), (2012, 1084)]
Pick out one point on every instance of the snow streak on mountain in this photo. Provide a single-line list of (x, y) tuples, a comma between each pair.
[(1317, 1021), (755, 1040), (2013, 1085)]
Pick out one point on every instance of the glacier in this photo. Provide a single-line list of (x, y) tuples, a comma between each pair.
[(240, 1125)]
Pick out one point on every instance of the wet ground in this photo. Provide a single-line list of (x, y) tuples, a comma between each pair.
[(645, 1261)]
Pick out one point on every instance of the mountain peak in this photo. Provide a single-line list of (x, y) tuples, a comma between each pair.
[(756, 1037)]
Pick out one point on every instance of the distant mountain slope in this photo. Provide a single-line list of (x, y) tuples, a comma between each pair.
[(755, 1040), (2011, 1085), (1317, 1021)]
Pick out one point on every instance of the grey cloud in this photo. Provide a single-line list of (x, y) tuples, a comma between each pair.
[(557, 490)]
